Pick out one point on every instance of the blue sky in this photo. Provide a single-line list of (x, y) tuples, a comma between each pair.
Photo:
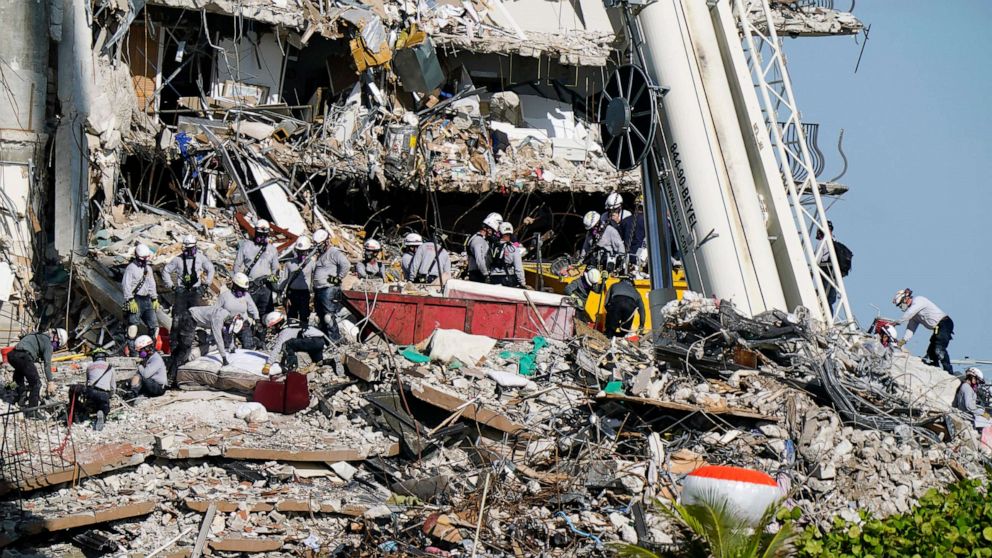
[(918, 137)]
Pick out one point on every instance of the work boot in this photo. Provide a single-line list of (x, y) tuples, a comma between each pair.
[(98, 423)]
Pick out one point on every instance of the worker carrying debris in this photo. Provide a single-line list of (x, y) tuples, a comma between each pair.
[(332, 266), (192, 271), (140, 295), (94, 396), (411, 242), (259, 260), (298, 280), (966, 398), (622, 301), (430, 262), (507, 268), (370, 267), (602, 243), (35, 348), (292, 338), (150, 380), (591, 281), (479, 248), (918, 310)]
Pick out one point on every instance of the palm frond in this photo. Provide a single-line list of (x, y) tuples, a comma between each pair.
[(626, 550), (781, 544)]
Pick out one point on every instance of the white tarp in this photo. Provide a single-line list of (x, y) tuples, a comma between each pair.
[(448, 344)]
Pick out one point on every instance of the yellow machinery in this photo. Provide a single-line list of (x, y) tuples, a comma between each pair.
[(596, 303)]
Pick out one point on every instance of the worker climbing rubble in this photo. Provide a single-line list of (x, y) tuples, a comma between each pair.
[(370, 267), (298, 280), (140, 295), (331, 268), (430, 263), (602, 244), (35, 348), (479, 249), (622, 303), (259, 260), (411, 242), (507, 268), (93, 397), (918, 310), (152, 377), (292, 337)]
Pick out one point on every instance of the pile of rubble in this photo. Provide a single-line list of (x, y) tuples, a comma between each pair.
[(528, 447)]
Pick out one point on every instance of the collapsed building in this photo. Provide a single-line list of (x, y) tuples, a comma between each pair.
[(150, 120)]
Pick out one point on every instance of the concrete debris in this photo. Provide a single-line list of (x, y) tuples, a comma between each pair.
[(793, 19)]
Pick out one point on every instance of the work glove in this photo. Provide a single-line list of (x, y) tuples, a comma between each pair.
[(265, 369), (155, 304), (901, 343), (273, 279), (52, 388), (132, 306), (224, 360)]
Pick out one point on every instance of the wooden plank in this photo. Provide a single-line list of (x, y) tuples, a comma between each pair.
[(201, 537), (450, 402)]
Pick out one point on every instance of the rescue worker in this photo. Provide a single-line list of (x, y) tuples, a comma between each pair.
[(411, 242), (140, 294), (844, 257), (331, 268), (591, 281), (298, 281), (237, 302), (622, 301), (430, 263), (602, 243), (150, 380), (259, 260), (35, 348), (480, 247), (918, 310), (966, 397), (508, 266), (219, 323), (94, 397), (632, 231), (293, 338), (192, 271), (613, 206), (370, 267)]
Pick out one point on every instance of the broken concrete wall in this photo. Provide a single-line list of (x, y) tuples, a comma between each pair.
[(257, 59)]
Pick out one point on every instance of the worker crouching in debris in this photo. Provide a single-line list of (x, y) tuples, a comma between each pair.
[(507, 268), (918, 310), (140, 295), (331, 268), (479, 249), (622, 301), (94, 397), (966, 398), (590, 281), (293, 338), (213, 319), (299, 278), (430, 263), (411, 242), (370, 267), (35, 348), (151, 377), (259, 260), (602, 244)]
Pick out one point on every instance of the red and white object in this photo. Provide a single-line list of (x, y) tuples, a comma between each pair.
[(747, 492)]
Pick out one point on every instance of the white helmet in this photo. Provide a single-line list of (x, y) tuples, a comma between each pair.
[(62, 336), (320, 236), (492, 221), (303, 244), (614, 201), (274, 318), (590, 220), (143, 342), (972, 371), (506, 227), (142, 251), (262, 225), (413, 239), (372, 245), (593, 276), (901, 296), (189, 240), (241, 280)]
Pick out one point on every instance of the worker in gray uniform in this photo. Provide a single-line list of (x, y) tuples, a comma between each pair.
[(292, 338), (35, 348), (151, 378), (430, 262), (188, 273), (217, 322), (966, 397), (332, 266), (237, 303), (411, 242), (602, 244), (94, 396), (507, 268), (259, 260), (298, 280), (370, 267), (140, 295), (480, 248), (232, 314), (917, 311), (622, 301)]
